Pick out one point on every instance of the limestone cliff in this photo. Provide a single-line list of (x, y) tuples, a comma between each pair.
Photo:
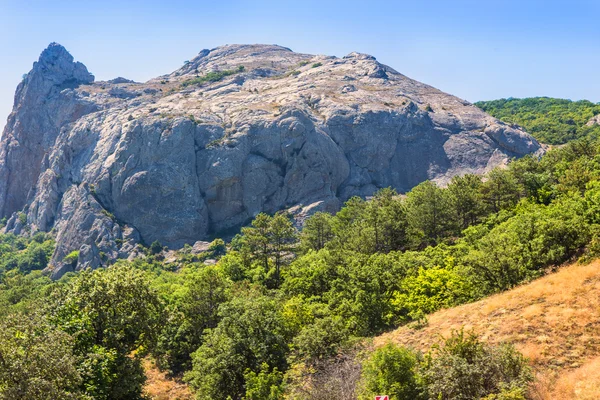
[(238, 130)]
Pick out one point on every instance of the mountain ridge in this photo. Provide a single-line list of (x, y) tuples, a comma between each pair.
[(238, 130)]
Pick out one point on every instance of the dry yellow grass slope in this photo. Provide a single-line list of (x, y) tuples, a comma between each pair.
[(160, 387), (554, 321)]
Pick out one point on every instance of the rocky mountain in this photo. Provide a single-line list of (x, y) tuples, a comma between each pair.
[(237, 130)]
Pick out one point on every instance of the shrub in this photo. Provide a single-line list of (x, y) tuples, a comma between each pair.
[(23, 218), (265, 385), (72, 257), (391, 370), (463, 368), (156, 247), (217, 248), (317, 64), (213, 76)]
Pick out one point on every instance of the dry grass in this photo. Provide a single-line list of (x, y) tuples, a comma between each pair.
[(554, 321), (161, 387)]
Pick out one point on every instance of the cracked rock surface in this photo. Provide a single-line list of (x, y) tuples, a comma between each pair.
[(237, 130)]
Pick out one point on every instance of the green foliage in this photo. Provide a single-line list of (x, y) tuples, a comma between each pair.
[(464, 368), (109, 375), (36, 360), (23, 218), (552, 121), (110, 313), (156, 247), (19, 292), (322, 338), (213, 76), (465, 195), (391, 370), (432, 289), (25, 255), (264, 385), (429, 213), (251, 332), (72, 257), (501, 190), (519, 248), (217, 248), (316, 65), (461, 368), (191, 310), (266, 242), (316, 232)]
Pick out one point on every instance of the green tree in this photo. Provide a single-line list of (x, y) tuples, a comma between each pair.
[(465, 198), (36, 360), (386, 216), (189, 315), (267, 384), (268, 240), (111, 313), (501, 190), (316, 232), (429, 213), (432, 289), (552, 121), (282, 236), (251, 333)]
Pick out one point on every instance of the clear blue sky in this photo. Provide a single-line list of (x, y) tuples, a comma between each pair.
[(477, 50)]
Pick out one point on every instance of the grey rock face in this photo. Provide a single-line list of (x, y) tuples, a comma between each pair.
[(175, 159), (44, 102)]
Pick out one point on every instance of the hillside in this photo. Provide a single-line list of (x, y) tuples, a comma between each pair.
[(549, 120), (237, 130), (554, 321), (279, 310)]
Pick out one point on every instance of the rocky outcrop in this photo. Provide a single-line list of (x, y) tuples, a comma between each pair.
[(238, 130), (595, 120)]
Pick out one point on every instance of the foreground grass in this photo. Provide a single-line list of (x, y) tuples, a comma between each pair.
[(554, 321)]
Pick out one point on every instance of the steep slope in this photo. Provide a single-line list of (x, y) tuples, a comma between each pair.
[(238, 130), (555, 321)]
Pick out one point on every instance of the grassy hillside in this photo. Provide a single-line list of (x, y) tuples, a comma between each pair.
[(554, 321), (551, 121)]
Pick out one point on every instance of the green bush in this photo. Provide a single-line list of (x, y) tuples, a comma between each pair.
[(264, 385), (156, 247), (213, 76), (393, 371), (72, 257), (463, 368)]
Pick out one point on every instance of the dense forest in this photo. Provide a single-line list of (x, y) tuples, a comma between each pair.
[(549, 120), (280, 312)]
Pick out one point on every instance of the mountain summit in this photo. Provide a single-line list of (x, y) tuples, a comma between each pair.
[(237, 130)]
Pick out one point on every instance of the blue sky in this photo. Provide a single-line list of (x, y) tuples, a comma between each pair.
[(477, 50)]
